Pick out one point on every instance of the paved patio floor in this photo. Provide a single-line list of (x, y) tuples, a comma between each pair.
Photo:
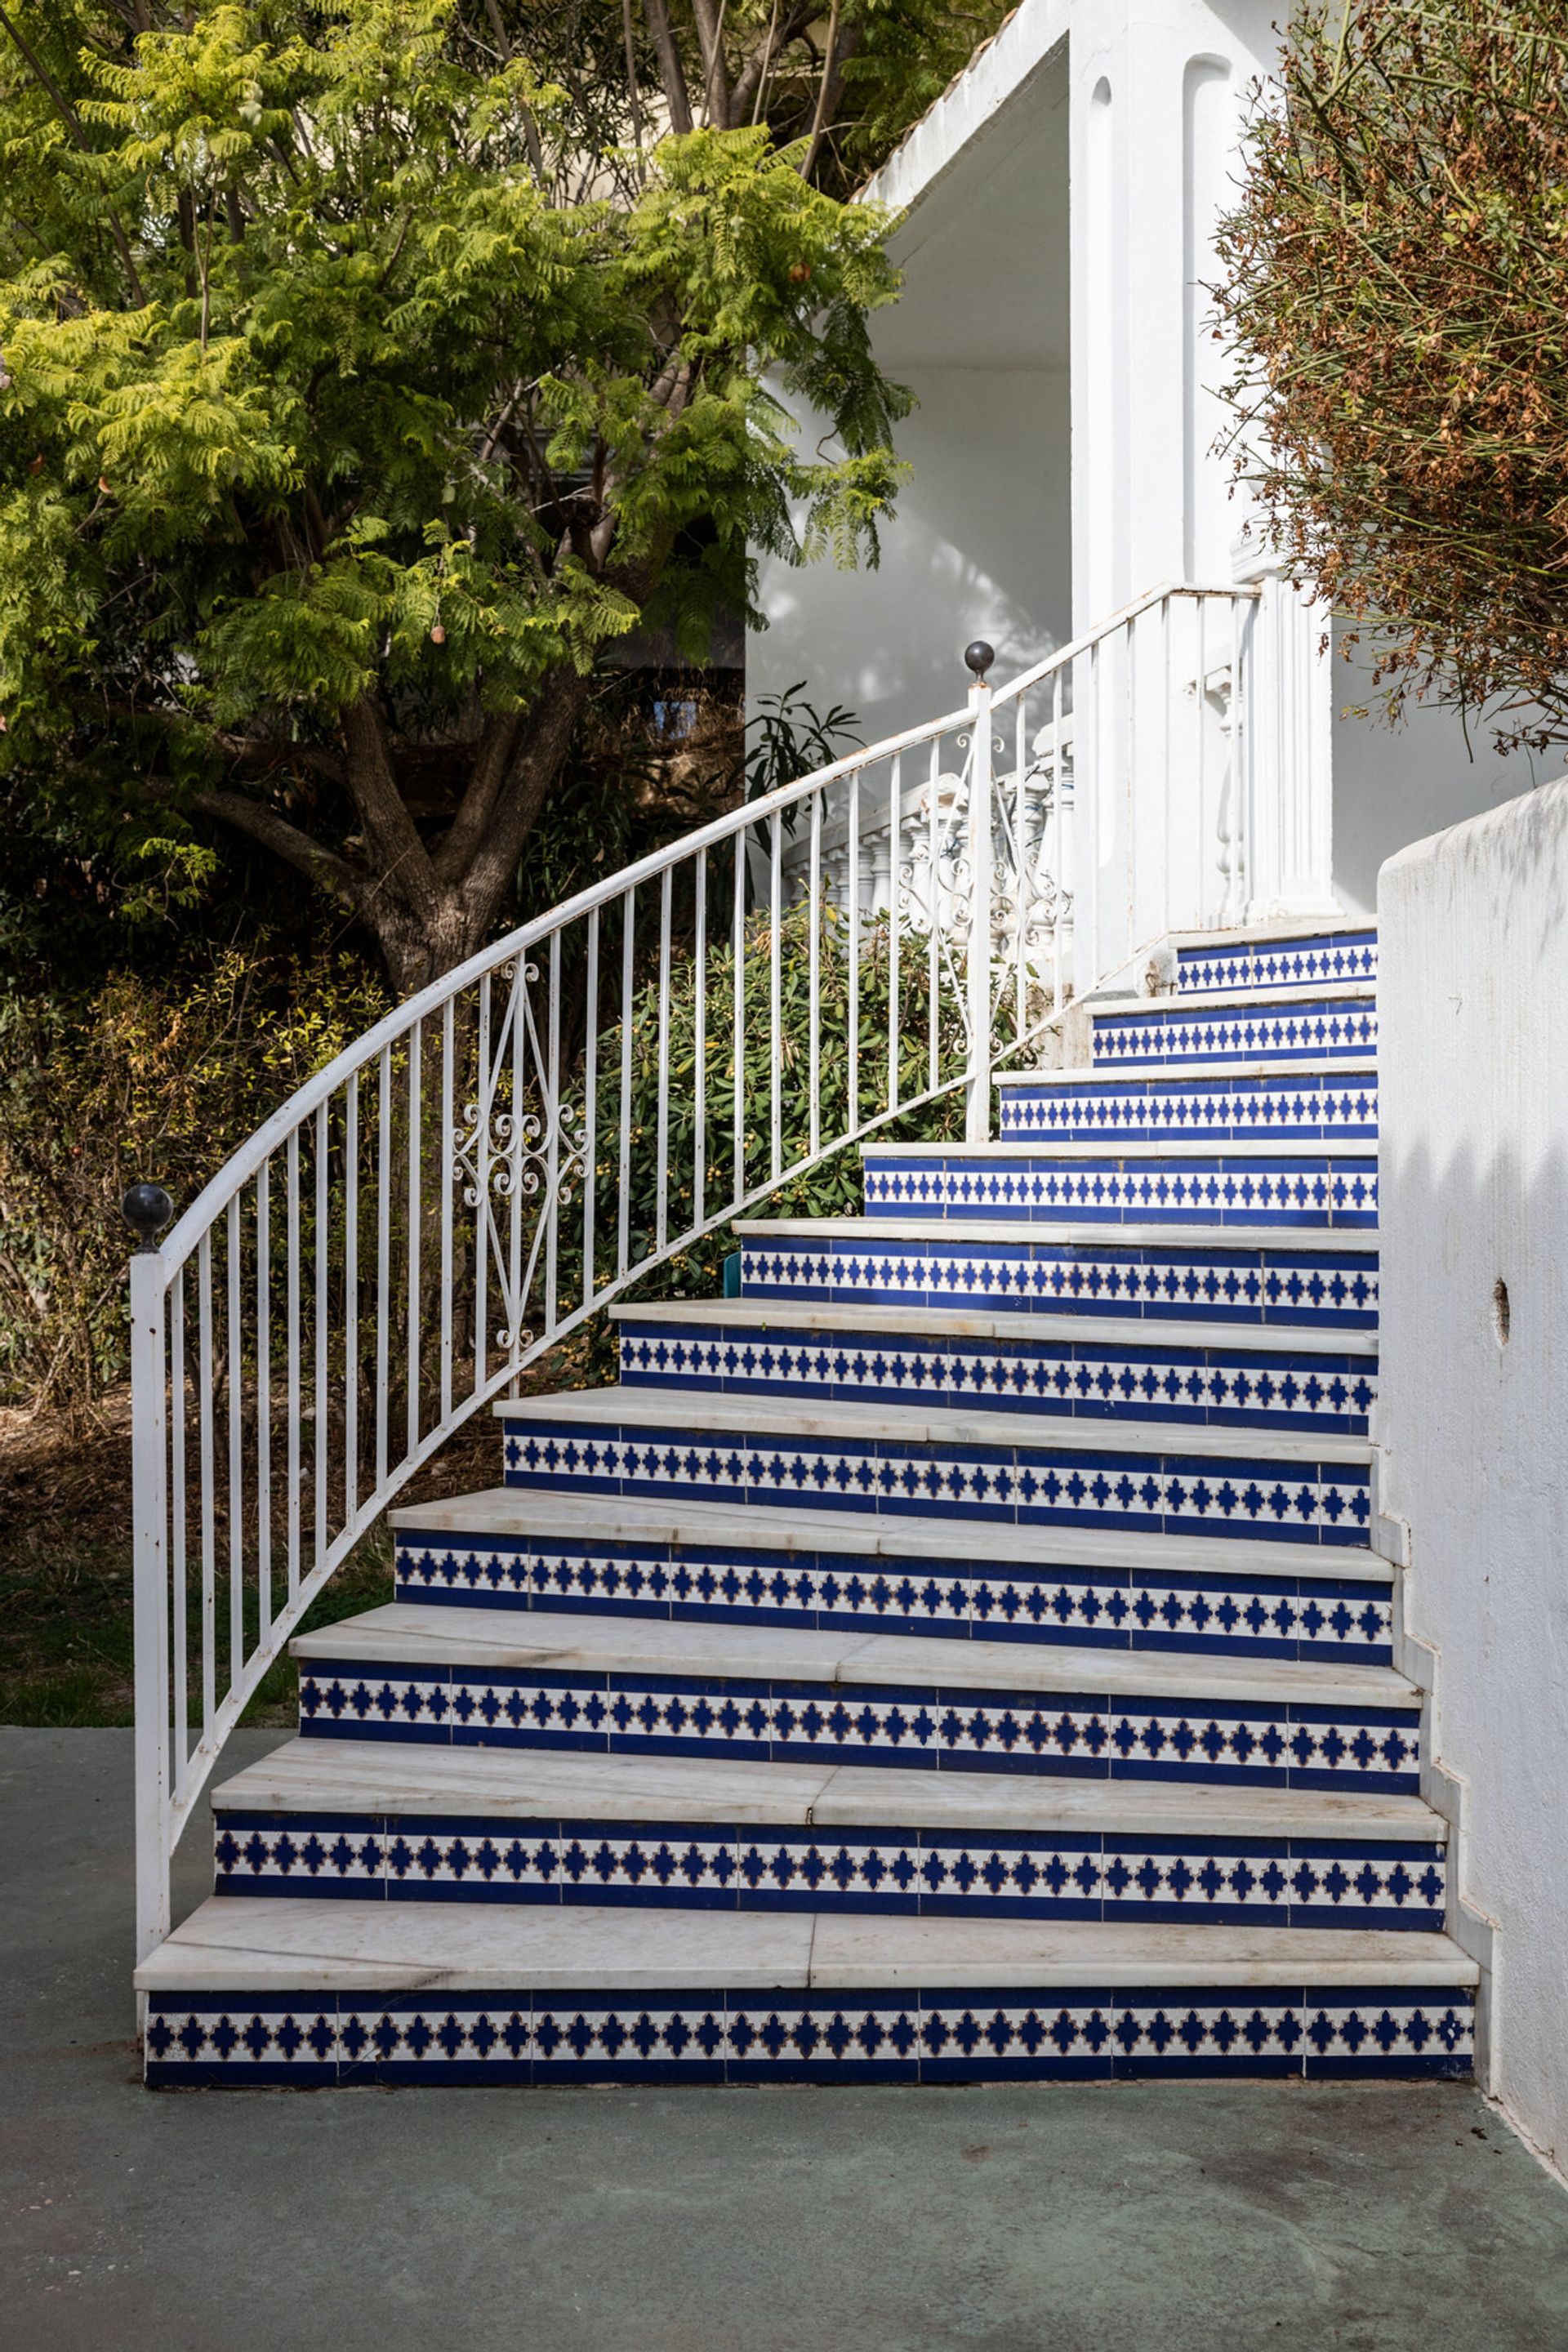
[(1061, 2218)]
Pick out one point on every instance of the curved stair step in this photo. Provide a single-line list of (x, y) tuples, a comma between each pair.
[(325, 1818), (476, 1677), (303, 1991)]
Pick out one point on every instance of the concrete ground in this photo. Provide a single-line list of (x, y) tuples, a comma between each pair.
[(1059, 2219)]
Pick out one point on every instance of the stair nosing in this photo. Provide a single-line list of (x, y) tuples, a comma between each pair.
[(1095, 1232), (1134, 1147), (1097, 1073)]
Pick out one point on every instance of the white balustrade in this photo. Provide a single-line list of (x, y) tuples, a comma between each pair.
[(579, 1104)]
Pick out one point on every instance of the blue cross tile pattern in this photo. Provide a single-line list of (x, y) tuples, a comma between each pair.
[(1256, 1882), (1269, 1389), (1277, 1283), (715, 2036), (737, 1584), (1052, 1484), (1083, 1736), (1330, 960), (1168, 1032), (1289, 1189), (1322, 1106)]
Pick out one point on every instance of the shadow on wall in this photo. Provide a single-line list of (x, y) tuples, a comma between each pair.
[(1395, 785), (979, 548), (1474, 1405)]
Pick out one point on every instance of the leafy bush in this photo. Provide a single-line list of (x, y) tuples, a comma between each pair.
[(138, 1077)]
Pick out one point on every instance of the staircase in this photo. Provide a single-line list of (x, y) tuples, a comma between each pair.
[(956, 1657)]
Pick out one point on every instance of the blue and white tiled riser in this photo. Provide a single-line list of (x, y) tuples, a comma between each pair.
[(1284, 1500), (1320, 1107), (1298, 1883), (1167, 1032), (1083, 1734), (1333, 959), (1249, 1614), (1280, 1283), (737, 2037), (1287, 1188), (1262, 1389)]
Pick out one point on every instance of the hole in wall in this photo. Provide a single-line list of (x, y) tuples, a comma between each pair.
[(1501, 1315)]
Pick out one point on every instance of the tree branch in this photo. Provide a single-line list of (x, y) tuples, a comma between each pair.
[(399, 857), (672, 72), (273, 832), (455, 853)]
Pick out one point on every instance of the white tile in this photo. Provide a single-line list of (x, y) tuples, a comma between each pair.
[(915, 1424), (290, 1943), (853, 1950), (1023, 1805)]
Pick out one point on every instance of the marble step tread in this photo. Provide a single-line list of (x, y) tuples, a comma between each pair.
[(917, 1424), (1135, 1149), (939, 1324), (251, 1945), (424, 1633), (1236, 999), (391, 1778), (1358, 1239), (603, 1520), (1324, 1071)]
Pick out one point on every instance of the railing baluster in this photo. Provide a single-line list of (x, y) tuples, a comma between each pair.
[(449, 1170), (350, 1296), (775, 999), (263, 1402), (322, 1448), (852, 1013), (813, 983), (517, 1145), (554, 1110), (589, 1105), (179, 1667), (895, 817), (482, 1155), (206, 1416), (416, 1119), (700, 1028), (234, 1339), (624, 1128), (738, 978), (291, 1507), (661, 1191), (933, 910)]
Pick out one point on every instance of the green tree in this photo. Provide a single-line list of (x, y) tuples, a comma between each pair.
[(368, 371), (1395, 287)]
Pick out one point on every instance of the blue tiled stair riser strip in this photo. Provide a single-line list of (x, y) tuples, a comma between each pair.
[(1317, 1288), (1284, 1617), (1202, 1387), (1281, 1883), (1167, 1109), (1141, 1189), (1333, 959), (1028, 1486), (971, 2035), (1169, 1032), (1084, 1736)]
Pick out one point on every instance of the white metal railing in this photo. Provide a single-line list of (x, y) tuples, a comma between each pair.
[(565, 1112)]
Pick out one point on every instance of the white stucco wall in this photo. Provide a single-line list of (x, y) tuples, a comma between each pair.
[(1474, 1061), (981, 543)]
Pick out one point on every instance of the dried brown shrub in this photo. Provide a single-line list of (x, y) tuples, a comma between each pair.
[(1395, 290)]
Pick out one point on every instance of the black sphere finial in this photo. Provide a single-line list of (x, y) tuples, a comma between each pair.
[(979, 657), (146, 1209)]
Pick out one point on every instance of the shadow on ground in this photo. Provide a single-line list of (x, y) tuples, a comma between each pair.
[(1059, 2219)]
